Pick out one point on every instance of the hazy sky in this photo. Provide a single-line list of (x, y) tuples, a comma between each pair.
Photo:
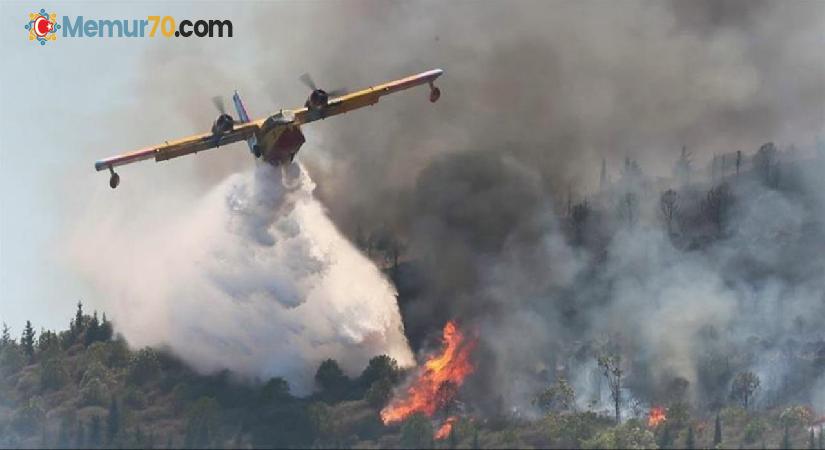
[(59, 110)]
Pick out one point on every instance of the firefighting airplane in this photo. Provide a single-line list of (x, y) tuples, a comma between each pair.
[(277, 138)]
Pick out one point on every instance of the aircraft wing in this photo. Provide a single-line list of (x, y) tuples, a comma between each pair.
[(368, 96), (181, 147)]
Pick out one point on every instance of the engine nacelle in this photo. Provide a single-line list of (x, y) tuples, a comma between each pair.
[(223, 124), (317, 100)]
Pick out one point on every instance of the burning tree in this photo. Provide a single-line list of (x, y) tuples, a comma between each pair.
[(656, 416), (446, 429), (611, 365), (445, 398), (744, 387), (434, 387)]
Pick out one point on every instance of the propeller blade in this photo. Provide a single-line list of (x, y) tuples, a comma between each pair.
[(306, 78), (219, 104)]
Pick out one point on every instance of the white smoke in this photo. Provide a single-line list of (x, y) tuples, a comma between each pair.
[(254, 277)]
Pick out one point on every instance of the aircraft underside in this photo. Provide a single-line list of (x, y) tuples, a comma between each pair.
[(281, 146)]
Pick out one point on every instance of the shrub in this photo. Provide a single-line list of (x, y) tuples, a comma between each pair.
[(276, 389), (53, 373), (734, 415), (558, 397), (321, 417), (629, 435), (96, 353), (380, 367), (143, 366), (94, 392), (28, 418), (678, 415), (181, 395), (331, 379), (202, 423), (417, 432), (110, 354), (755, 430), (796, 416), (134, 398), (94, 371), (570, 430), (11, 360), (379, 393)]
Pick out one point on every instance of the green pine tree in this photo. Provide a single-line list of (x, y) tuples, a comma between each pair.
[(106, 330), (92, 330), (717, 431), (27, 341), (5, 337), (79, 323)]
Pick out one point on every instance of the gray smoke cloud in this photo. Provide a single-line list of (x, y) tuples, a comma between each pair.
[(536, 94)]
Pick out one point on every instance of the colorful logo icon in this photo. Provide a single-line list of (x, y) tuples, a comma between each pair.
[(42, 26)]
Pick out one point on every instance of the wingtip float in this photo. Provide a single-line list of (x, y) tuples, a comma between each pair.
[(277, 138)]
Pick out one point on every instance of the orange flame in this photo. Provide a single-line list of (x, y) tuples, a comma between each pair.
[(446, 428), (426, 393), (656, 416)]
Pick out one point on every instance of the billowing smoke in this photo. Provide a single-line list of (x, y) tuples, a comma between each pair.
[(536, 96), (253, 277)]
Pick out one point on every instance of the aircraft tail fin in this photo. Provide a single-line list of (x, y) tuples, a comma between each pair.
[(243, 117)]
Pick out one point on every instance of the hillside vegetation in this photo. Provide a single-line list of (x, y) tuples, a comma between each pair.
[(85, 387)]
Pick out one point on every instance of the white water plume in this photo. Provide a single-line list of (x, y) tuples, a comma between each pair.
[(254, 277)]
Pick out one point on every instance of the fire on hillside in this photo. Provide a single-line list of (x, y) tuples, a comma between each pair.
[(435, 385)]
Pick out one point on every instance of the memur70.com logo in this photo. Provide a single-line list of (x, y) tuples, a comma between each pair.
[(43, 27)]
